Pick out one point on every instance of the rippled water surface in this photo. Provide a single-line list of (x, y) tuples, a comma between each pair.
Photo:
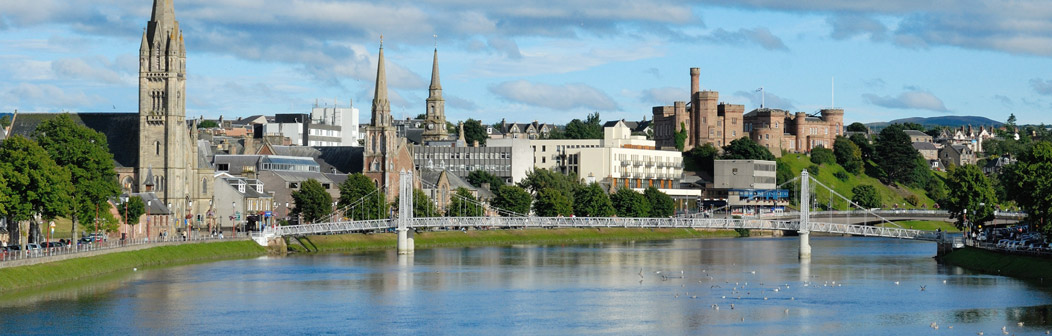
[(850, 286)]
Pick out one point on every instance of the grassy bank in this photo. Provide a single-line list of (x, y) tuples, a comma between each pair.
[(357, 242), (25, 277), (985, 261)]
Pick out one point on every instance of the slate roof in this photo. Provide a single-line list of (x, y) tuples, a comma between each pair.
[(346, 159), (204, 154), (916, 133), (430, 178), (924, 146), (121, 131)]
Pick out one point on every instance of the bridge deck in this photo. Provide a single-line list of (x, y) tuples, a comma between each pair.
[(610, 222)]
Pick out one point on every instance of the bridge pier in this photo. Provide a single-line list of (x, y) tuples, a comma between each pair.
[(805, 245), (406, 245)]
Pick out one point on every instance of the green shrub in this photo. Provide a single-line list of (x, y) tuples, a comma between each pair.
[(842, 176), (813, 169)]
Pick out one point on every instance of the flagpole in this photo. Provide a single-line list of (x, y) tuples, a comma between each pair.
[(763, 97)]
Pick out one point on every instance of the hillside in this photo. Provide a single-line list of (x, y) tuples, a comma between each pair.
[(951, 121), (889, 195)]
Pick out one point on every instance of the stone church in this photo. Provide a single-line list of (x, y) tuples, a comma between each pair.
[(155, 149), (386, 154)]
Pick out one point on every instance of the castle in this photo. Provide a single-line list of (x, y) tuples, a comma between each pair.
[(705, 120)]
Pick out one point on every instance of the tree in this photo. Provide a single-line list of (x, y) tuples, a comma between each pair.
[(970, 196), (746, 149), (681, 137), (35, 184), (857, 127), (897, 158), (821, 155), (474, 131), (629, 203), (479, 177), (592, 201), (588, 129), (464, 204), (864, 146), (5, 121), (702, 158), (866, 196), (661, 204), (361, 200), (86, 155), (1029, 183), (312, 201), (1010, 123), (542, 178), (552, 203), (423, 206), (512, 198), (131, 211), (848, 155), (208, 124)]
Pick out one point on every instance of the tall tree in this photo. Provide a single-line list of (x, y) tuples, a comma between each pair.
[(312, 201), (822, 155), (866, 196), (361, 200), (464, 204), (661, 204), (864, 146), (85, 154), (474, 131), (538, 179), (423, 206), (857, 127), (551, 202), (5, 121), (746, 149), (208, 124), (1029, 183), (702, 158), (591, 128), (629, 203), (35, 185), (479, 177), (592, 201), (848, 155), (1010, 123), (969, 190), (512, 198), (897, 158), (131, 211)]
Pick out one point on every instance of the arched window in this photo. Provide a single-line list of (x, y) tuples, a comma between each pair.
[(204, 186), (157, 144)]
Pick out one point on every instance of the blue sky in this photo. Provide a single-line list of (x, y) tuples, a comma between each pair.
[(550, 61)]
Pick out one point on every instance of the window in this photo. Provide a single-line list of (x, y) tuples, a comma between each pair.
[(204, 186), (767, 136), (158, 149), (223, 166)]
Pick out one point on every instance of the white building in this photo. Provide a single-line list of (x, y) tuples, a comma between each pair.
[(618, 160), (345, 117)]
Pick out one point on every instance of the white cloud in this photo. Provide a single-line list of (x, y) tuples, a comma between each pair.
[(767, 99), (46, 97), (915, 99), (758, 36), (1043, 87), (664, 95), (556, 97)]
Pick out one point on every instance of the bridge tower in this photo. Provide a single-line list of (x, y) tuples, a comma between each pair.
[(405, 212), (805, 215)]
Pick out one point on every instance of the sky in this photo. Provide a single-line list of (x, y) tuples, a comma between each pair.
[(546, 60)]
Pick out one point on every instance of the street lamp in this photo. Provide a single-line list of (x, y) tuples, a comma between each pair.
[(286, 211), (190, 220), (210, 231), (171, 214), (124, 199), (148, 204), (233, 221)]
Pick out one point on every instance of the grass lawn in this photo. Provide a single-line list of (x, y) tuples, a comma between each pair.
[(826, 175)]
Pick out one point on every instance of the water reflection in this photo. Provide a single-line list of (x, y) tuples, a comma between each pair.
[(721, 286)]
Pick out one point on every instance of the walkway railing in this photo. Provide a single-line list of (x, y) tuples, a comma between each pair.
[(887, 213), (604, 222), (105, 245)]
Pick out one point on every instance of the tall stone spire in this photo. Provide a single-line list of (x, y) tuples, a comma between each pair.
[(435, 120), (162, 22), (381, 112)]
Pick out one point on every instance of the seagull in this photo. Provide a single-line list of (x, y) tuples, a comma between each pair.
[(732, 306), (641, 273), (896, 283), (923, 288), (944, 281), (935, 326), (1020, 323)]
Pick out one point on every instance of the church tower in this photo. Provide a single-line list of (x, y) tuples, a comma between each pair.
[(167, 144), (435, 122), (385, 153)]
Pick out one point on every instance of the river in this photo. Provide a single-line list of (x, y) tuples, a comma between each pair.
[(857, 286)]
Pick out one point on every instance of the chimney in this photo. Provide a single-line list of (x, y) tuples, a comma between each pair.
[(695, 74), (475, 143)]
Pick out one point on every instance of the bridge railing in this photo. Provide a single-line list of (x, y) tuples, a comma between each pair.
[(887, 213), (334, 227)]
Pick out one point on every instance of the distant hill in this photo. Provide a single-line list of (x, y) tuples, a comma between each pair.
[(951, 121)]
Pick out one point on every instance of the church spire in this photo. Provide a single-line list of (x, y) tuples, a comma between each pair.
[(381, 106), (436, 85), (163, 12)]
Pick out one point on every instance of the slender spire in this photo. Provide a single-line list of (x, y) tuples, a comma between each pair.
[(163, 12), (381, 112), (436, 85)]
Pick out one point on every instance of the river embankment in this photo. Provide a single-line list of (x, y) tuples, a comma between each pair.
[(433, 239), (1000, 263), (46, 274)]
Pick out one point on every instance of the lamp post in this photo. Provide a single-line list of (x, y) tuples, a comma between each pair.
[(148, 203), (233, 222), (273, 214), (210, 231), (189, 219), (124, 199), (171, 215), (286, 211)]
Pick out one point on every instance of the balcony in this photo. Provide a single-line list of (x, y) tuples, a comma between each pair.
[(626, 163)]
